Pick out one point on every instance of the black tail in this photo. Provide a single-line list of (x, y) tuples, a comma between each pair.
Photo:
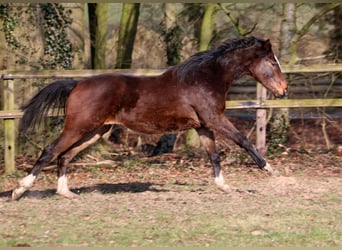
[(53, 96)]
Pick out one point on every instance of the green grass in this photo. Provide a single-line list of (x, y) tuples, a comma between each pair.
[(154, 227)]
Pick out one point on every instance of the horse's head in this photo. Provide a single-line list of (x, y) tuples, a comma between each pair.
[(265, 68)]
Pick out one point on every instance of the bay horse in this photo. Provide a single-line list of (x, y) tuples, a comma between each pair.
[(191, 94)]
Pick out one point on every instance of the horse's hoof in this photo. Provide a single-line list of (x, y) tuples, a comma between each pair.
[(68, 194), (276, 173), (225, 188), (17, 193)]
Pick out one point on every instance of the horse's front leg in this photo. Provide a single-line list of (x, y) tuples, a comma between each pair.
[(227, 129), (208, 142)]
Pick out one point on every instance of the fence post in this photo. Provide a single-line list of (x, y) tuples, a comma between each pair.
[(9, 127), (261, 121)]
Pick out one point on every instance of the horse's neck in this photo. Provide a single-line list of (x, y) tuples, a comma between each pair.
[(234, 68)]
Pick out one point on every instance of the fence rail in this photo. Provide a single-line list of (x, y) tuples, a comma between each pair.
[(261, 104)]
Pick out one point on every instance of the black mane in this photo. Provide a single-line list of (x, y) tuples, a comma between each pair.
[(198, 61)]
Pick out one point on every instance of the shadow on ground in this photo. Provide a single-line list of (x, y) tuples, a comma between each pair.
[(104, 188)]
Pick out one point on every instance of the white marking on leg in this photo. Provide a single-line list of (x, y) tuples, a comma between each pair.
[(63, 189), (219, 180), (24, 185), (27, 182), (62, 184)]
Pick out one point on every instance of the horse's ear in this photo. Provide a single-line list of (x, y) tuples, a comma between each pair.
[(267, 45)]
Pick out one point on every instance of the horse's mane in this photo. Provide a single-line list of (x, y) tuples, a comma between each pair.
[(195, 64)]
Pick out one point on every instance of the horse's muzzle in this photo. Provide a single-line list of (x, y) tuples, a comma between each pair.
[(285, 92)]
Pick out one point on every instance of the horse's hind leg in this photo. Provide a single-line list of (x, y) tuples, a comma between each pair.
[(61, 144), (66, 157), (208, 142), (46, 156)]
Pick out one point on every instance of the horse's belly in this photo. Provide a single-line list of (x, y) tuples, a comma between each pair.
[(159, 120), (162, 125)]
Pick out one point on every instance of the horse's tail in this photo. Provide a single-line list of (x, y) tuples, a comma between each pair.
[(53, 96)]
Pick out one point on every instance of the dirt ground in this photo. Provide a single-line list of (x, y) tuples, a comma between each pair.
[(171, 200)]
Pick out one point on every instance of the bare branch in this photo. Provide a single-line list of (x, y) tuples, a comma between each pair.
[(251, 30), (235, 22), (300, 33)]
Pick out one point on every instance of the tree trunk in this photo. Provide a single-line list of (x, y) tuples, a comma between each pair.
[(336, 35), (169, 15), (288, 30), (85, 33), (92, 30), (80, 33), (101, 35), (207, 26), (128, 29), (172, 34), (98, 25)]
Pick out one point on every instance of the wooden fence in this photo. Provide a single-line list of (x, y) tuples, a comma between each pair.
[(261, 104)]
